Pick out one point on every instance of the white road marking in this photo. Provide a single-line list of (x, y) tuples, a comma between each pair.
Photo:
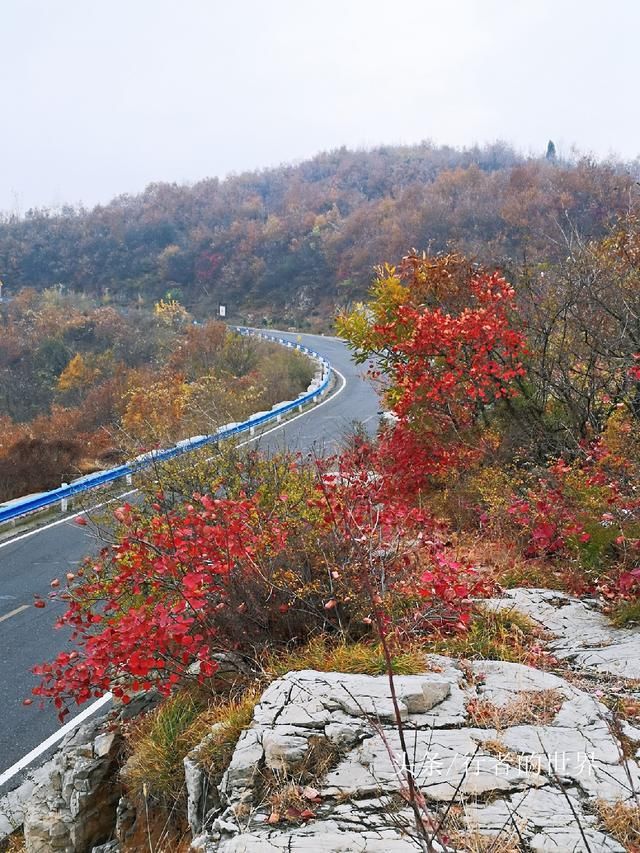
[(53, 739), (95, 706), (14, 612)]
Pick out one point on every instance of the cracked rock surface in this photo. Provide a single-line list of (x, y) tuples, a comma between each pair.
[(72, 805), (519, 751), (582, 635)]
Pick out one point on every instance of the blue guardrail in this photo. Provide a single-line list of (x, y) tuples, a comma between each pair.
[(24, 506)]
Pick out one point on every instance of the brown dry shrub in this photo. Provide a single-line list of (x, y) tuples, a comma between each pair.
[(531, 707), (622, 821)]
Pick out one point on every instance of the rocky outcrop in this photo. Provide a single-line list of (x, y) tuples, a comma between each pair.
[(498, 750), (582, 635), (73, 806), (518, 751)]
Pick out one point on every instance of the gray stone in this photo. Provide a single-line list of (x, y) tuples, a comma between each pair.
[(72, 807), (103, 744), (344, 736), (494, 772), (244, 762), (125, 820), (109, 847), (581, 634), (194, 781), (546, 818), (283, 750), (427, 696)]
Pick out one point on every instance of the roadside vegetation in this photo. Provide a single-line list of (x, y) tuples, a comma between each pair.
[(84, 385)]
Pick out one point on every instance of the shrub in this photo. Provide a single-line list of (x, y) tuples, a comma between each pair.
[(495, 635), (271, 554)]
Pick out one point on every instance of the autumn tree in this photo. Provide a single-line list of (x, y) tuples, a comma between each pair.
[(583, 319), (155, 406), (445, 341)]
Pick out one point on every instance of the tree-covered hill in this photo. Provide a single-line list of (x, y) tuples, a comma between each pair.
[(292, 242)]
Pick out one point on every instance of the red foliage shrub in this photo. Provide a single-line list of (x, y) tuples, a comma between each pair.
[(236, 573)]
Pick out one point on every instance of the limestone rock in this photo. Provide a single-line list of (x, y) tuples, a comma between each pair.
[(540, 769), (125, 820), (73, 807), (109, 847), (581, 634)]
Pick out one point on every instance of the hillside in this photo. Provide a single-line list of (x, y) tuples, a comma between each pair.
[(289, 244), (83, 385)]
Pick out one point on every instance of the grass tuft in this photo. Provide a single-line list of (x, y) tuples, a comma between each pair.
[(13, 843), (292, 792), (360, 657), (158, 743), (492, 635), (224, 721), (626, 614), (531, 707), (622, 821), (160, 740), (475, 842)]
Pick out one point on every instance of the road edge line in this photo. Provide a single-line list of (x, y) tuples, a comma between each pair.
[(37, 751)]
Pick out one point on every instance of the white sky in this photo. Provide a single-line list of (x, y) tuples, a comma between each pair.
[(100, 97)]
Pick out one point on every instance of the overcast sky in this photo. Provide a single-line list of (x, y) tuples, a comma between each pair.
[(101, 97)]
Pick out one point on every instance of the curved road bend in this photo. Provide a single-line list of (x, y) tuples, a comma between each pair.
[(30, 561)]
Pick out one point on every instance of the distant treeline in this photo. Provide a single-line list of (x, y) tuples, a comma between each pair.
[(290, 243)]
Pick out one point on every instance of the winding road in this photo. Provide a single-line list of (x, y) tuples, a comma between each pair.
[(29, 561)]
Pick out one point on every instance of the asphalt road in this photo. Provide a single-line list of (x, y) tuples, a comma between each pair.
[(29, 562)]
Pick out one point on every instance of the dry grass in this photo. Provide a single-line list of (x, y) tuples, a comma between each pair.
[(531, 707), (493, 635), (504, 563), (475, 842), (625, 707), (288, 802), (321, 757), (13, 844), (225, 721), (153, 832), (365, 658), (457, 835), (291, 795), (160, 740), (622, 821), (497, 748)]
